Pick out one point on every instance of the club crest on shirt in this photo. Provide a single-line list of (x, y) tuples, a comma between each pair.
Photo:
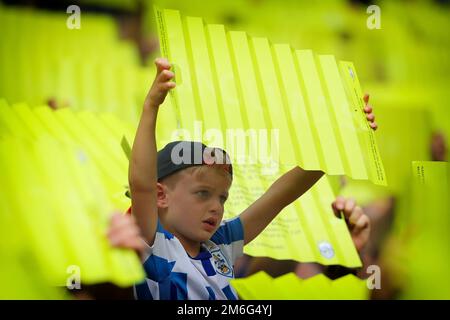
[(221, 264)]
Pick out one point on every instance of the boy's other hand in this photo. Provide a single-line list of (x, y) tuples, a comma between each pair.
[(161, 85), (357, 222), (369, 112), (123, 232)]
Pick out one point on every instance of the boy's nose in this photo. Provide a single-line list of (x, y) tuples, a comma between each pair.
[(216, 207)]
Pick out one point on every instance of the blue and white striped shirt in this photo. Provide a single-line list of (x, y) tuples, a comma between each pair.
[(173, 275)]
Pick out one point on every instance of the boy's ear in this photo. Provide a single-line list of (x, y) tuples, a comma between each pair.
[(161, 196)]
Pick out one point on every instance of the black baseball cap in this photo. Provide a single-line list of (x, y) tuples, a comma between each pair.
[(179, 155)]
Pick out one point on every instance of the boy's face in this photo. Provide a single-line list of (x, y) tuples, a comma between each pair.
[(195, 204)]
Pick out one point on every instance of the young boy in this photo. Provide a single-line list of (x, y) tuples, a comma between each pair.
[(179, 205)]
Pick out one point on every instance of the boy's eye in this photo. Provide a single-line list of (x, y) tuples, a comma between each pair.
[(203, 193)]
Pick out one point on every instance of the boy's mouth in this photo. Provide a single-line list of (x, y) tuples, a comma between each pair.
[(210, 223)]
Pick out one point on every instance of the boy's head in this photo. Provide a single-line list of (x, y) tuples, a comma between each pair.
[(193, 184)]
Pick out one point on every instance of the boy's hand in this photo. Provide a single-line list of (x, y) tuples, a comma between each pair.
[(357, 222), (161, 85), (123, 232), (369, 114)]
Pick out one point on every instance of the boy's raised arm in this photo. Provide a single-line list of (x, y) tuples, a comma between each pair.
[(281, 193), (142, 175)]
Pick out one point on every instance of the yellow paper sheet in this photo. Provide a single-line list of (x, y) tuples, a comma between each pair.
[(229, 80), (261, 286), (57, 190)]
